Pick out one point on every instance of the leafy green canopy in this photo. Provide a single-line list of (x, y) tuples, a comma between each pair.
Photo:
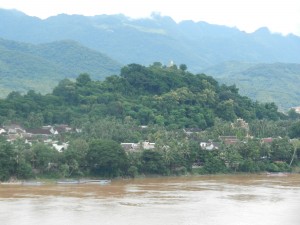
[(167, 96)]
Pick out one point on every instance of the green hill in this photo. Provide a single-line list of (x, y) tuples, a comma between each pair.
[(166, 96), (39, 67), (277, 82)]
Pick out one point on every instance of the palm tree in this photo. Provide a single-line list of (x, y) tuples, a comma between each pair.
[(296, 145)]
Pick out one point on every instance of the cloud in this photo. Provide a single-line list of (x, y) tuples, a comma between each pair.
[(248, 15)]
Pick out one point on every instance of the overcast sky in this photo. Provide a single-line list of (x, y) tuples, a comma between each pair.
[(248, 15)]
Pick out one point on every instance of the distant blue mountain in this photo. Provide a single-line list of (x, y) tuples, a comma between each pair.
[(196, 44), (264, 65)]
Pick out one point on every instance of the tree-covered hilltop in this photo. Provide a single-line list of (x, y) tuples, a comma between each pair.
[(166, 96), (150, 110)]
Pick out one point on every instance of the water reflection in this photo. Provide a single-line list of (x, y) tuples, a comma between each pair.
[(240, 200)]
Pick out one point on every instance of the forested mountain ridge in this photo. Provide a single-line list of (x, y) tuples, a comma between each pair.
[(143, 41), (275, 82), (166, 96), (40, 67), (201, 46)]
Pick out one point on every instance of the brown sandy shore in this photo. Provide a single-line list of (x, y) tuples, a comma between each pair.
[(43, 181)]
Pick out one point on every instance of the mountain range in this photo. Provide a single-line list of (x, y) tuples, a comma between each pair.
[(159, 38), (263, 65), (265, 82), (40, 67)]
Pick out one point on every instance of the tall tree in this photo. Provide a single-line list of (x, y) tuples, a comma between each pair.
[(107, 158)]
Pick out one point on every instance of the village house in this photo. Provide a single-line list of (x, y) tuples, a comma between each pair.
[(43, 134), (2, 130), (229, 140), (148, 145), (54, 144), (12, 137), (60, 147), (31, 132), (131, 147), (51, 129), (12, 132), (14, 129), (209, 145), (62, 128), (266, 140)]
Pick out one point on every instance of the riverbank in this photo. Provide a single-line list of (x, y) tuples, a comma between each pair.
[(81, 180), (296, 169), (43, 181)]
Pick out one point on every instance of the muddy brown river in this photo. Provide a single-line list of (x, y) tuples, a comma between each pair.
[(207, 200)]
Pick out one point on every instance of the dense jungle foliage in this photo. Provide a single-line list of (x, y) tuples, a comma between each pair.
[(169, 96), (166, 100)]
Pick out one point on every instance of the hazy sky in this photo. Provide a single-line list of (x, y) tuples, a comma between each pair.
[(278, 15)]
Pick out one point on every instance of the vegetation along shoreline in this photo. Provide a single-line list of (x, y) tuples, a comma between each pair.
[(155, 120)]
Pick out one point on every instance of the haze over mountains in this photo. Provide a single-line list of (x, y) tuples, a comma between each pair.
[(40, 67), (144, 41), (265, 82), (198, 45)]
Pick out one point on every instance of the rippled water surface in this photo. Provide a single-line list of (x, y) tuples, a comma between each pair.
[(207, 200)]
